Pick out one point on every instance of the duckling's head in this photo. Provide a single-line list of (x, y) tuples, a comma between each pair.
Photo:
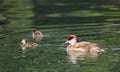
[(33, 31), (24, 41)]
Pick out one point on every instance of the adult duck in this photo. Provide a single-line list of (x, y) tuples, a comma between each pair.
[(76, 49)]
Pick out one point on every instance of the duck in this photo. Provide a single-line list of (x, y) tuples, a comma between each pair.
[(76, 49), (37, 35), (26, 44)]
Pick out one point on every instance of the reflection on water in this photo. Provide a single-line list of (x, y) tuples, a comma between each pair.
[(82, 56), (93, 21)]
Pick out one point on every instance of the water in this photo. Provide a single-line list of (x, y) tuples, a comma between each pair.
[(90, 20)]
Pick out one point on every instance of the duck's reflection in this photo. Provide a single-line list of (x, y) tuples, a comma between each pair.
[(73, 58)]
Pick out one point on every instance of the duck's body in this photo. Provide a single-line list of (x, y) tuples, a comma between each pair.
[(26, 44), (76, 49), (37, 35), (86, 47)]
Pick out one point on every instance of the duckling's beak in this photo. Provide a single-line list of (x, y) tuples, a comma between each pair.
[(21, 42)]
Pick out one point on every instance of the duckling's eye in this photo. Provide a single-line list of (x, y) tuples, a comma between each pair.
[(69, 38)]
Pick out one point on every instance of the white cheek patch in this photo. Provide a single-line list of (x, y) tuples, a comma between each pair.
[(72, 42)]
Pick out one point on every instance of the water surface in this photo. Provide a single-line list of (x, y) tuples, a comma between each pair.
[(94, 21)]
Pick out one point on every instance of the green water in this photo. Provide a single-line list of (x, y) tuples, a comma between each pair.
[(91, 20)]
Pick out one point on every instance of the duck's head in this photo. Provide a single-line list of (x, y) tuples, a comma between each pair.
[(71, 40)]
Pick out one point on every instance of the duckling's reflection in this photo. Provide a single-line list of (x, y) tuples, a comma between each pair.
[(23, 51)]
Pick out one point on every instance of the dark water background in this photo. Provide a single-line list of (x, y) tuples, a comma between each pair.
[(91, 20)]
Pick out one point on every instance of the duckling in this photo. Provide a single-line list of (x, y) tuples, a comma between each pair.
[(37, 35), (26, 44)]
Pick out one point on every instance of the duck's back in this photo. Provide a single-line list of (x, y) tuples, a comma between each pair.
[(93, 47)]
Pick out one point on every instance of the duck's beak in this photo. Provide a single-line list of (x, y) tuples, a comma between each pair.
[(65, 43)]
